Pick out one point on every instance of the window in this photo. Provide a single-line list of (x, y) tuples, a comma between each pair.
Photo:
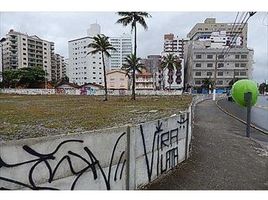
[(209, 73), (24, 44), (94, 72), (220, 65), (209, 65), (24, 54), (24, 49), (85, 68), (24, 58), (23, 39), (236, 73), (94, 77), (237, 56), (220, 73), (209, 56), (198, 73), (243, 73), (243, 65), (198, 65), (198, 56), (220, 56), (94, 62), (243, 56)]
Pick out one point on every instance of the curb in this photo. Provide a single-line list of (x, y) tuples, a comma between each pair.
[(228, 113)]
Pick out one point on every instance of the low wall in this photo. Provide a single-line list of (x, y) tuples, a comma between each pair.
[(73, 91), (126, 157)]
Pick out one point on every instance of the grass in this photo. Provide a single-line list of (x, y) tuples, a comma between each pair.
[(24, 116)]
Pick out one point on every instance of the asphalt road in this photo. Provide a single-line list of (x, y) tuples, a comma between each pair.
[(222, 158), (259, 117)]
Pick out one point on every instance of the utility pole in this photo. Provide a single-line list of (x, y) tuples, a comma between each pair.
[(215, 72)]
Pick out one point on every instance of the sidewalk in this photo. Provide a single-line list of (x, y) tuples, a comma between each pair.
[(222, 157)]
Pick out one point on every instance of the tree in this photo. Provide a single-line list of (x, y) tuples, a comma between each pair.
[(132, 64), (11, 78), (170, 62), (133, 18), (31, 75), (207, 83), (101, 44)]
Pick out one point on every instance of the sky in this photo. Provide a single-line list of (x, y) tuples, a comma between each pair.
[(60, 27)]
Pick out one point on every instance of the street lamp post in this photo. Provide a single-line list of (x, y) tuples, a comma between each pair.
[(215, 72)]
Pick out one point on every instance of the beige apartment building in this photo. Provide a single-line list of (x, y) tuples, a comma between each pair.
[(144, 81), (202, 31), (213, 44), (117, 80), (21, 50), (58, 68)]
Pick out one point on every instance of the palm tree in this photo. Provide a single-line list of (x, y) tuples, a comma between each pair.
[(133, 18), (170, 62), (132, 64), (101, 44)]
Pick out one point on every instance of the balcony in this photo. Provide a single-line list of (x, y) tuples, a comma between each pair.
[(31, 47)]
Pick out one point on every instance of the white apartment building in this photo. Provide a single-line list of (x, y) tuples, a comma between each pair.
[(173, 44), (82, 66), (21, 50), (123, 46)]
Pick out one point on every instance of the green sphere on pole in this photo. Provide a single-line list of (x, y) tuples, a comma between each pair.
[(244, 86)]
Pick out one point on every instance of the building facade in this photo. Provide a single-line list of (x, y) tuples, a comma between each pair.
[(84, 67), (201, 62), (173, 44), (117, 80), (123, 46), (144, 81), (153, 65), (58, 69), (237, 33), (21, 50), (218, 52)]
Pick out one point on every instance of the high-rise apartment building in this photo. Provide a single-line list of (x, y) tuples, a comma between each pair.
[(1, 70), (21, 50), (204, 31), (173, 44), (84, 67), (209, 54), (58, 69), (123, 46)]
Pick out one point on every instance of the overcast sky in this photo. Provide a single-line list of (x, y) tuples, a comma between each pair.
[(60, 27)]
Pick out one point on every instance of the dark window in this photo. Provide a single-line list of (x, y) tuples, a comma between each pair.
[(220, 65), (220, 73), (198, 65), (243, 65), (237, 56), (236, 64), (198, 56), (209, 73), (243, 56), (243, 73), (209, 56), (220, 56), (198, 73), (209, 65)]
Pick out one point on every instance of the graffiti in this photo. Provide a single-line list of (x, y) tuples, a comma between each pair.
[(91, 163), (165, 146)]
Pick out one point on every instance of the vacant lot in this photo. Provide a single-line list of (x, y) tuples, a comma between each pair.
[(34, 116)]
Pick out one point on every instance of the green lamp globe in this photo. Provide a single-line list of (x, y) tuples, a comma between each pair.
[(241, 87)]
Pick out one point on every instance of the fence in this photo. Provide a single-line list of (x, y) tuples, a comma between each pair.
[(126, 157), (89, 91)]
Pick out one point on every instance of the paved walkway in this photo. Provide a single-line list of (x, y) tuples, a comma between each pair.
[(222, 157)]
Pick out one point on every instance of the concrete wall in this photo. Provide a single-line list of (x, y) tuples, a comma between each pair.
[(73, 91), (122, 158)]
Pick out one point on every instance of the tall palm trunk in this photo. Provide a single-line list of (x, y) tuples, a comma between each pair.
[(104, 75), (133, 75)]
